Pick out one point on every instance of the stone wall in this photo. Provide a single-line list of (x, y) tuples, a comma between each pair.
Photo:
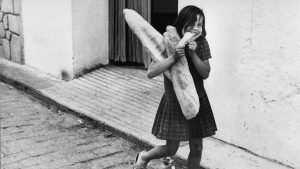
[(11, 38)]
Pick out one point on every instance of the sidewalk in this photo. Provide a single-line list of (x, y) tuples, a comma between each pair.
[(34, 135), (124, 100)]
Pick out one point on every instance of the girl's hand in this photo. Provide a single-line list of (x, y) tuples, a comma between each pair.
[(192, 47), (179, 53)]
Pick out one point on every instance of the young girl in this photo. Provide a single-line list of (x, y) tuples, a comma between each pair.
[(170, 123)]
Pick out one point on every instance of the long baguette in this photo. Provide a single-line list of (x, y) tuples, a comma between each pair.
[(159, 48), (151, 39)]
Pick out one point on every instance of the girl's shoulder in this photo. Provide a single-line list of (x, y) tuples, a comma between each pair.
[(202, 42)]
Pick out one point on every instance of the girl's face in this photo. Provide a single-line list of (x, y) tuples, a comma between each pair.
[(196, 28)]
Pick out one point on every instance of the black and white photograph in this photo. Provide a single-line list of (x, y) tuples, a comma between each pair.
[(149, 84)]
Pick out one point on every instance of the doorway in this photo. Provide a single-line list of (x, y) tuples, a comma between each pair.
[(163, 13), (124, 47)]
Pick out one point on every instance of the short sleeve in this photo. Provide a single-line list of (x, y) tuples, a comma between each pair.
[(203, 50)]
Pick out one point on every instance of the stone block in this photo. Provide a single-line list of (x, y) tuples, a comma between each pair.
[(16, 49), (14, 24), (5, 22), (8, 35), (2, 30), (1, 16), (6, 47), (17, 6), (7, 6), (2, 53)]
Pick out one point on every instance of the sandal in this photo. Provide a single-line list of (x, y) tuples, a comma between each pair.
[(135, 165)]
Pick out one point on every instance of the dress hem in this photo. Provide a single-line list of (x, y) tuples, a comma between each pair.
[(184, 139)]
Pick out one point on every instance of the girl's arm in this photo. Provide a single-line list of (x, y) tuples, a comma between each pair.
[(202, 67), (156, 68)]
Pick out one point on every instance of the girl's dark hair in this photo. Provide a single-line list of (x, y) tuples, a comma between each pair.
[(187, 17)]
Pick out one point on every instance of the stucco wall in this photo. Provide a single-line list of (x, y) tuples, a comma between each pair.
[(90, 33), (48, 36), (65, 37), (11, 36), (254, 86)]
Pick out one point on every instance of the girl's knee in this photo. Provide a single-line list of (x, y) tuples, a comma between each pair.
[(171, 151)]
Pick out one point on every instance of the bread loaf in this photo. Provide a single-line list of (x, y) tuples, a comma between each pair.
[(160, 47)]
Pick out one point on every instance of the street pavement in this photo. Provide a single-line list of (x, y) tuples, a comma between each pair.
[(35, 135)]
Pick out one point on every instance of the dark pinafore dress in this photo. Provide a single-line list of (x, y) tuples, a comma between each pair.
[(170, 123)]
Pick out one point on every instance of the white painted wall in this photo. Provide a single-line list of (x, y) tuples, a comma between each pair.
[(254, 86), (90, 33), (47, 30)]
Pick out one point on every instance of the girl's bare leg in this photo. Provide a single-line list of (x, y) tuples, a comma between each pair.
[(169, 149), (196, 147)]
